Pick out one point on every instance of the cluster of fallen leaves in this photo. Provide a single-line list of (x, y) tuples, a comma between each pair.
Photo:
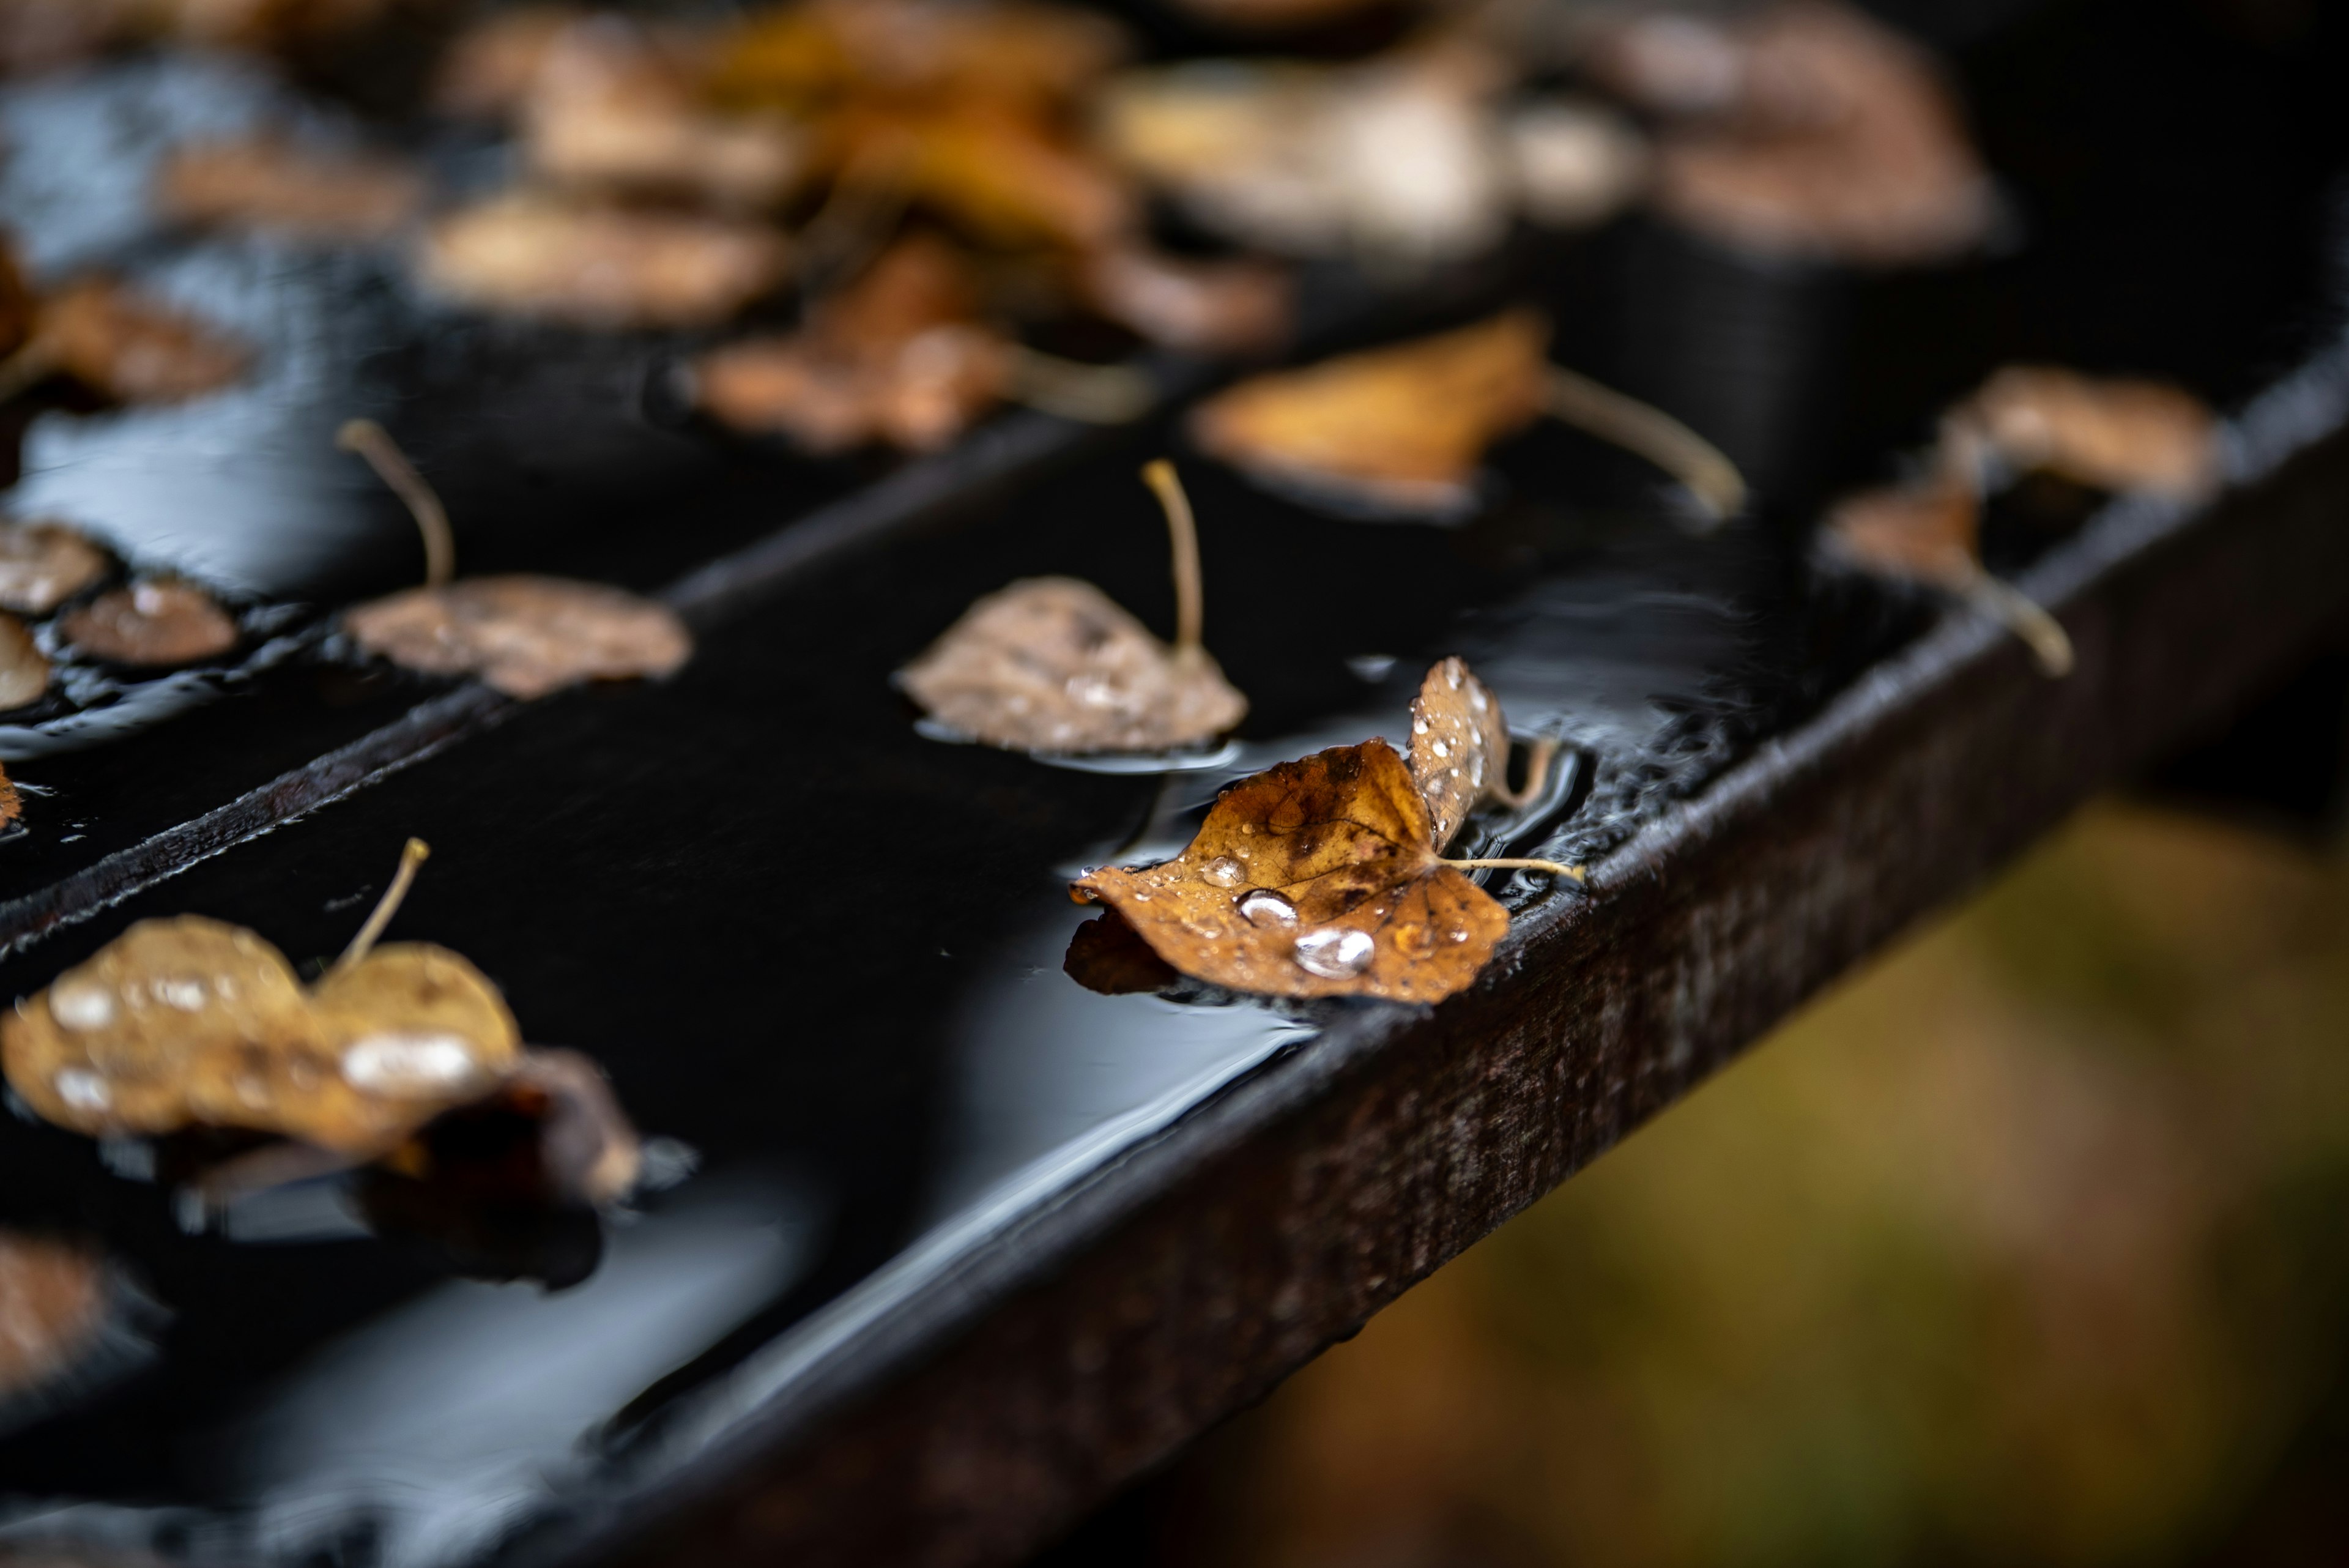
[(1326, 876), (190, 1025), (2117, 435)]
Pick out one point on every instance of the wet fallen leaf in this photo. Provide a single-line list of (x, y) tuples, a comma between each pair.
[(152, 624), (1004, 177), (122, 347), (1403, 429), (2115, 434), (1929, 532), (609, 109), (525, 635), (42, 564), (919, 51), (191, 1022), (534, 255), (898, 356), (1107, 955), (1239, 306), (1394, 161), (1316, 877), (24, 670), (1054, 664), (268, 183), (1460, 750), (12, 805), (54, 1306), (1804, 129)]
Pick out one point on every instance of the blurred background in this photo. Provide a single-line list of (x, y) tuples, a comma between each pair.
[(2029, 1244)]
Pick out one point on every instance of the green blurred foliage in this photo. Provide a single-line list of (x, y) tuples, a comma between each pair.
[(2029, 1245)]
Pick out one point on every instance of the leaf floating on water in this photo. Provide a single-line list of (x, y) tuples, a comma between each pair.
[(595, 267), (122, 347), (1109, 956), (526, 636), (1055, 665), (2108, 434), (270, 184), (899, 356), (42, 564), (152, 625), (24, 670), (1316, 877)]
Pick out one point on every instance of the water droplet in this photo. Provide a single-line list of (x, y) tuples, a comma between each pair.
[(1205, 931), (1334, 953), (1441, 749), (83, 1089), (1223, 871), (1419, 726), (82, 1004), (1263, 908), (408, 1063), (1476, 769), (1093, 691), (1412, 940), (1460, 936), (187, 994), (1476, 699)]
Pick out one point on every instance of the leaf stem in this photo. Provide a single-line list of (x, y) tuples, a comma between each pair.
[(1183, 530), (1090, 394), (1642, 428), (1512, 863), (373, 442), (2049, 643), (1539, 754), (410, 857)]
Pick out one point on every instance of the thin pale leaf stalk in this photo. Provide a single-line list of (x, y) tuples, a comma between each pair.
[(410, 857), (1642, 428), (373, 442), (1183, 533), (2041, 632), (1539, 755), (1089, 394), (1511, 863), (28, 367)]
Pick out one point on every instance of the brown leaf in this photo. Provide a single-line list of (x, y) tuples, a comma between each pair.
[(12, 805), (1109, 956), (1459, 747), (268, 183), (526, 636), (922, 51), (1316, 877), (151, 624), (898, 356), (191, 1022), (1399, 427), (534, 255), (128, 348), (42, 564), (2114, 434), (1926, 532), (1054, 664), (24, 671), (1004, 177), (53, 1304)]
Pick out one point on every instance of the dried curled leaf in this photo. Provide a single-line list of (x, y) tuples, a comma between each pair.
[(2114, 434), (151, 625), (1459, 747), (268, 183), (1927, 532), (23, 669), (42, 564), (1401, 427), (1804, 128), (898, 356), (1054, 664), (1316, 878), (526, 636), (534, 255), (126, 348)]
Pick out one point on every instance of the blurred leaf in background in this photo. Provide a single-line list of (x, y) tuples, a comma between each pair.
[(2027, 1246)]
